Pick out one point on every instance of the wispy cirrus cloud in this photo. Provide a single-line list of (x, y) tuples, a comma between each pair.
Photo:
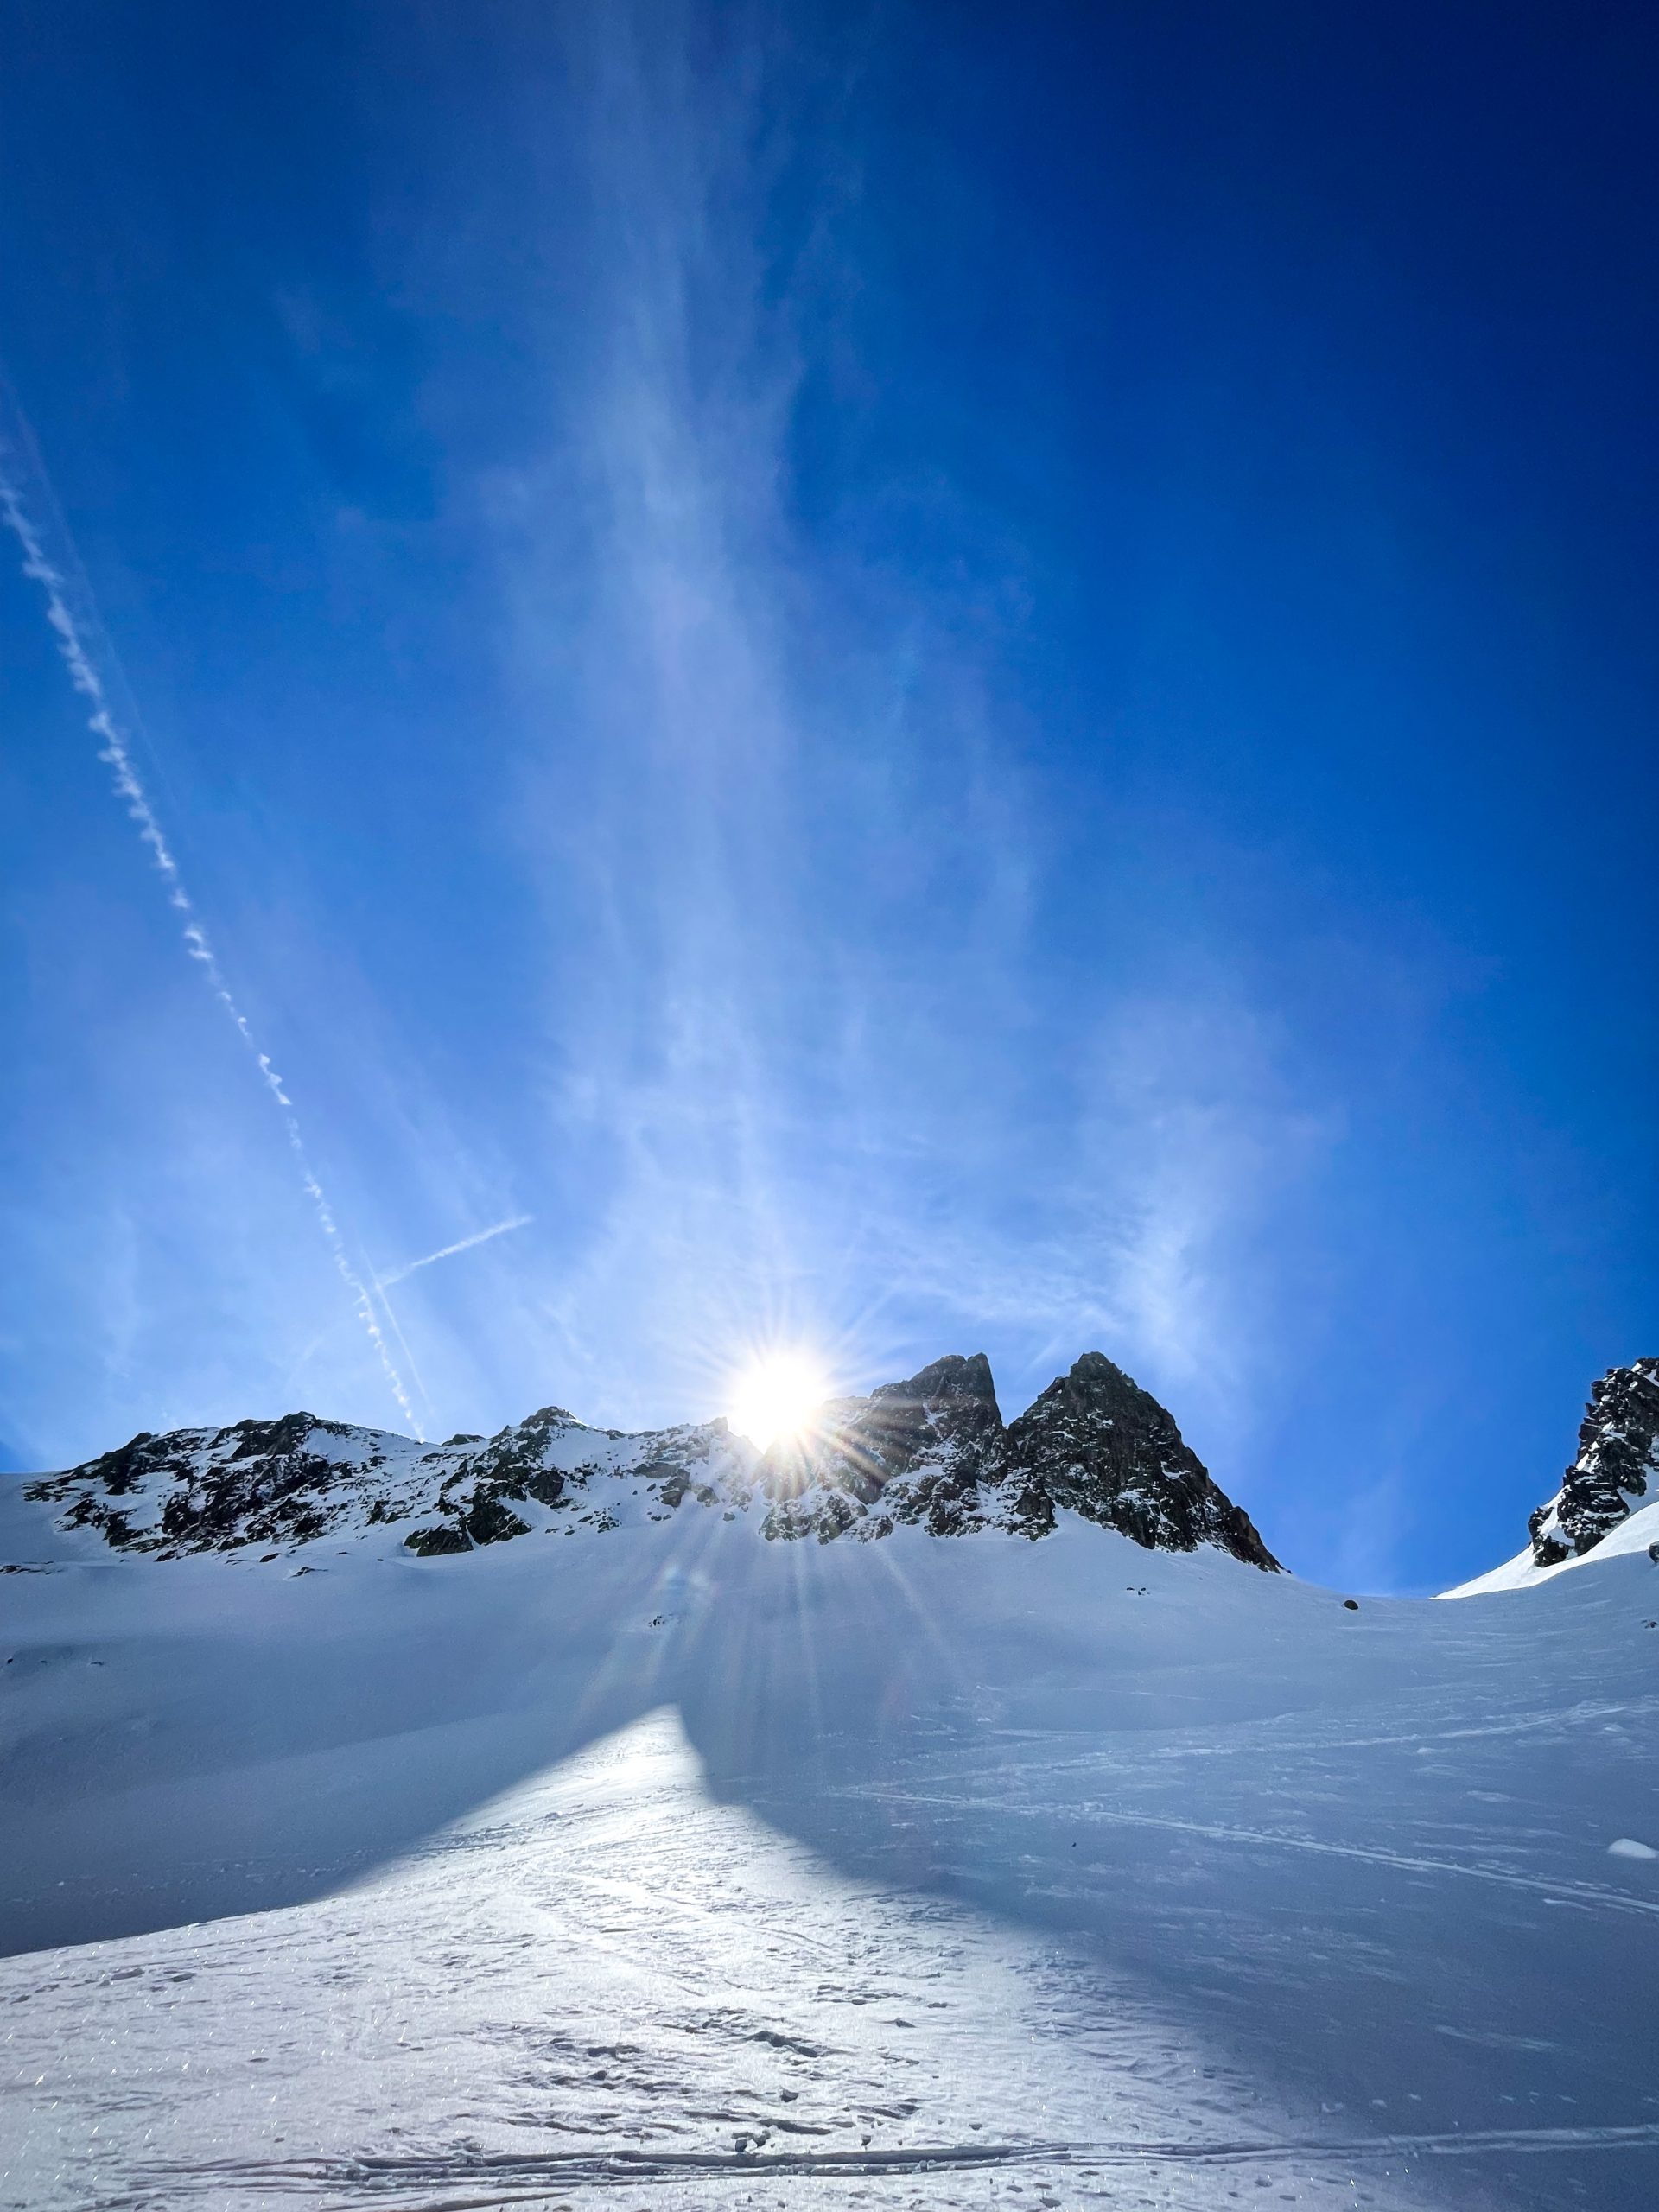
[(813, 1076)]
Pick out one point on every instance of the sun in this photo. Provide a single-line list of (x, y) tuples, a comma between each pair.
[(775, 1397)]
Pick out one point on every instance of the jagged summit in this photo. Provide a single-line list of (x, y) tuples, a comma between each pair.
[(1093, 1437), (1618, 1455), (932, 1451)]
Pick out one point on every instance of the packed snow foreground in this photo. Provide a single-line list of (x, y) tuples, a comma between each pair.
[(671, 1824)]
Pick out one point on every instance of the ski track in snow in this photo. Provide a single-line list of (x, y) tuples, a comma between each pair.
[(975, 1874), (1592, 1895)]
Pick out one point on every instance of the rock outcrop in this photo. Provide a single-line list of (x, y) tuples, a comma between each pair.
[(294, 1480), (1097, 1443), (933, 1452), (1618, 1459)]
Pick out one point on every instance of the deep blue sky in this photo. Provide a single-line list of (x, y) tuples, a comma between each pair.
[(932, 678)]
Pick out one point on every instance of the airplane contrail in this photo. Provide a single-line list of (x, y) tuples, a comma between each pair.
[(89, 658), (465, 1244)]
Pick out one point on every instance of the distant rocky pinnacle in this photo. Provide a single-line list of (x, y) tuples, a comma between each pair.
[(1618, 1454), (933, 1452)]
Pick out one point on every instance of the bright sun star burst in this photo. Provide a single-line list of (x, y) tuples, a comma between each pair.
[(775, 1397)]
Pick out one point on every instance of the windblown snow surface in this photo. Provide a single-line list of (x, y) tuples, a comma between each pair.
[(669, 1867)]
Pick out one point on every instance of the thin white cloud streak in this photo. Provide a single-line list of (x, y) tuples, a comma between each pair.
[(381, 1283), (448, 1251), (82, 647), (391, 1312)]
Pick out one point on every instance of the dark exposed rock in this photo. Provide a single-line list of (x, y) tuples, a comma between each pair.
[(491, 1523), (1617, 1457), (433, 1543), (1097, 1443), (486, 1521)]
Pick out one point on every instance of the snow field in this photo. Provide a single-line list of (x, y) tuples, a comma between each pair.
[(635, 1872)]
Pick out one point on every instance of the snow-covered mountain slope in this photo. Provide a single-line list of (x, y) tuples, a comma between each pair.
[(1638, 1533), (337, 1871), (932, 1451), (718, 1872), (1598, 1513)]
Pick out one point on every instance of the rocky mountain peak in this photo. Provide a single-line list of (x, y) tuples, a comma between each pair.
[(1095, 1442), (931, 1452), (950, 1382), (1618, 1459), (917, 1452)]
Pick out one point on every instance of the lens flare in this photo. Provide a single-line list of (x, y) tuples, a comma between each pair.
[(777, 1397)]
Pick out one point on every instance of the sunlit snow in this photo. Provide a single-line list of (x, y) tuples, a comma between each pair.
[(668, 1866)]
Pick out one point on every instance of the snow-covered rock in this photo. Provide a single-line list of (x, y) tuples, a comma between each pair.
[(288, 1482), (1599, 1513), (1618, 1451), (932, 1451)]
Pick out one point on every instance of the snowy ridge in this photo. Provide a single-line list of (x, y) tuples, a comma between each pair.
[(1597, 1514), (289, 1482), (932, 1451), (1637, 1532)]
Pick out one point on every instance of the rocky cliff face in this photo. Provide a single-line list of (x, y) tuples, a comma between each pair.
[(1618, 1460), (1097, 1442), (932, 1451), (927, 1452)]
